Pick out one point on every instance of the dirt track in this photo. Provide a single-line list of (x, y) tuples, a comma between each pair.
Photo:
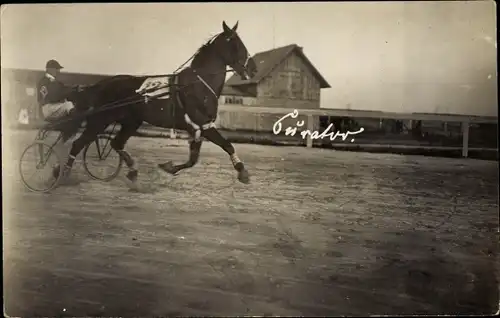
[(317, 232)]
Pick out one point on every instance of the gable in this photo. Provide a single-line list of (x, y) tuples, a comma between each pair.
[(294, 63), (291, 79)]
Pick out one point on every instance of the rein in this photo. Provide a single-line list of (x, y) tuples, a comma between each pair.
[(134, 99)]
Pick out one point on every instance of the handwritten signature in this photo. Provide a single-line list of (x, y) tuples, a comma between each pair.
[(291, 131)]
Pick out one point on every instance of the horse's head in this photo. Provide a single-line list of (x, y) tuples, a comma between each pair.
[(234, 52)]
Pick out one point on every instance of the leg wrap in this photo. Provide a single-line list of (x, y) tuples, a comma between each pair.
[(234, 159), (237, 163)]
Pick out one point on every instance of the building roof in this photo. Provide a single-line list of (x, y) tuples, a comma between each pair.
[(66, 77), (234, 91), (267, 61)]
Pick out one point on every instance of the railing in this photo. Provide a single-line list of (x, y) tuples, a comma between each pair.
[(313, 114), (311, 118)]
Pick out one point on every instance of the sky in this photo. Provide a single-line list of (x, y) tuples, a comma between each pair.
[(392, 56)]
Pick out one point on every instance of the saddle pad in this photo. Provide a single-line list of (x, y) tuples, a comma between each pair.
[(154, 86)]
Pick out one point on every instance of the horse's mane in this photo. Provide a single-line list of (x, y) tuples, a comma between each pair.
[(204, 49)]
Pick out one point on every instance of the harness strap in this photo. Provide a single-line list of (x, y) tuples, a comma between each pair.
[(208, 125), (188, 119), (248, 59), (191, 122), (206, 84), (197, 132)]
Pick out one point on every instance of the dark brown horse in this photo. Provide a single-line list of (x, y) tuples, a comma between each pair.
[(190, 103)]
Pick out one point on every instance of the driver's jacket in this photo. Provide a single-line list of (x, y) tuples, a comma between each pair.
[(50, 90)]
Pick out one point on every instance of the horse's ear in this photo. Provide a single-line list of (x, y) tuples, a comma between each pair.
[(225, 27), (235, 26)]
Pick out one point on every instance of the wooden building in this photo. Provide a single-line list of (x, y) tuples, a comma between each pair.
[(285, 79)]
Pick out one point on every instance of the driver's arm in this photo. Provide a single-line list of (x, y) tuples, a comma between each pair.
[(66, 90)]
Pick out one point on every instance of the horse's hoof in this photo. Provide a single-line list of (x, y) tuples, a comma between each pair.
[(168, 167), (132, 175), (244, 177)]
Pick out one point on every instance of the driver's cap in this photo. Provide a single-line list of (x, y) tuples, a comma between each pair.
[(53, 64)]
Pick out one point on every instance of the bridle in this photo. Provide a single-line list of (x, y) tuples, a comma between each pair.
[(245, 65), (210, 42)]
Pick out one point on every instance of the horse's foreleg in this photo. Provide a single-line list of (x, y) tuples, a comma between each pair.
[(194, 155), (118, 143), (214, 136)]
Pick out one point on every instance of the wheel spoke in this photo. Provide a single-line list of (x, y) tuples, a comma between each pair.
[(109, 151), (98, 148), (108, 140), (101, 166)]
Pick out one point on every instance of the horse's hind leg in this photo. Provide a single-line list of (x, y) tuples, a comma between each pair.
[(88, 135), (214, 136), (194, 155), (127, 130)]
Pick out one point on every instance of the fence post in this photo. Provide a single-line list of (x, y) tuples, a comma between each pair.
[(310, 127), (172, 88), (465, 139)]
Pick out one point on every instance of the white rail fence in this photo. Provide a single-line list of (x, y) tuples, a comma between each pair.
[(311, 120), (312, 114)]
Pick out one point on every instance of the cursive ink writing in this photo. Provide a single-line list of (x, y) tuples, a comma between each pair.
[(291, 131)]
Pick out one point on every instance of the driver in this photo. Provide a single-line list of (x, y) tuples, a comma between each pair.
[(52, 96)]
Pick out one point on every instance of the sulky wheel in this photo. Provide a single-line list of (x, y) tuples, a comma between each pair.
[(40, 167), (100, 160)]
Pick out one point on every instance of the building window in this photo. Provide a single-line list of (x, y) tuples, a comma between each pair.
[(30, 91), (233, 100)]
